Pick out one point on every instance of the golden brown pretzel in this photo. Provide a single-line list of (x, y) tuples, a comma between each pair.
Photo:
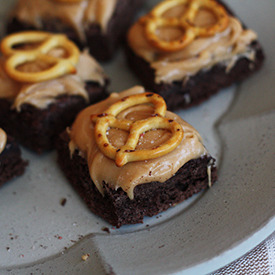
[(155, 20), (128, 153), (46, 42)]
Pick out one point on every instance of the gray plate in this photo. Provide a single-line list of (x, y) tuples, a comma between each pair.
[(39, 235)]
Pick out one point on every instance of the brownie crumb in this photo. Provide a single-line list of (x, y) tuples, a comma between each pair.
[(63, 201), (106, 229)]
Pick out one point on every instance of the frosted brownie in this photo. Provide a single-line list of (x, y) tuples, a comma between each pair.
[(123, 180), (187, 50), (44, 82), (96, 24)]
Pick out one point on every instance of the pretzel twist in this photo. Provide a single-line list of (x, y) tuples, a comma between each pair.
[(128, 153), (155, 20), (46, 42)]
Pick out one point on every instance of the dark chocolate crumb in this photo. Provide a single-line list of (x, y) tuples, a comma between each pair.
[(106, 229), (63, 201)]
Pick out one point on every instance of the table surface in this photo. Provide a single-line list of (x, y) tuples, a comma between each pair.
[(260, 260)]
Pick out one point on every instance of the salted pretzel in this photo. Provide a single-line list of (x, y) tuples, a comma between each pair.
[(128, 153), (155, 20), (45, 43)]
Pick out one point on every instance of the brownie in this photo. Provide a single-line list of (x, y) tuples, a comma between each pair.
[(36, 110), (125, 184), (196, 88), (149, 198), (11, 163), (38, 129), (101, 43)]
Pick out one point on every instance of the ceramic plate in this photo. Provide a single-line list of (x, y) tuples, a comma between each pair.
[(41, 235)]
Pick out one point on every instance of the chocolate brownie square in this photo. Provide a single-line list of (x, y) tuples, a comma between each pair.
[(125, 194), (36, 112)]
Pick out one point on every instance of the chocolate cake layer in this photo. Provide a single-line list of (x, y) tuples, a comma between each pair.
[(102, 45), (38, 129), (11, 163), (198, 88), (149, 199)]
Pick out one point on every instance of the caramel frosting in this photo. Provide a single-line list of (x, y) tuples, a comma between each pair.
[(77, 15), (42, 94), (3, 140), (103, 169), (203, 53)]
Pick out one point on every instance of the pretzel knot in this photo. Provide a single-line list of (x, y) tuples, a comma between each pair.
[(128, 153), (42, 43), (186, 22)]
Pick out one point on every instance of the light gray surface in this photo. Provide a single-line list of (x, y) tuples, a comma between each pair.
[(196, 237)]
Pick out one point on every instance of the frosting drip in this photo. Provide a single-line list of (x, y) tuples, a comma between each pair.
[(202, 53), (42, 94), (77, 15), (3, 140), (102, 169)]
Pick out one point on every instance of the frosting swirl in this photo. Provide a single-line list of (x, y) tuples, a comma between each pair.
[(102, 169)]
